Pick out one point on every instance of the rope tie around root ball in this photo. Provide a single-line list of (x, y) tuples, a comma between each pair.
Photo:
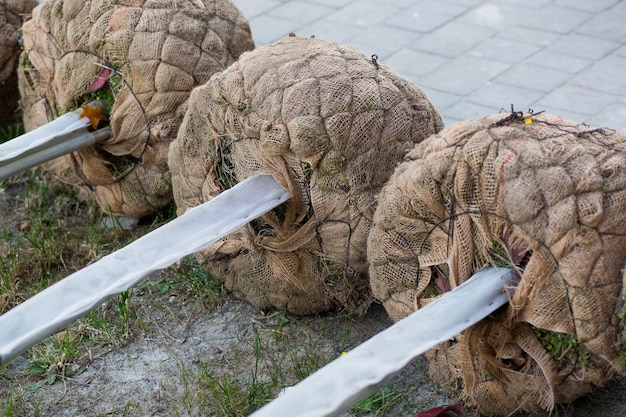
[(531, 191), (143, 58), (330, 126)]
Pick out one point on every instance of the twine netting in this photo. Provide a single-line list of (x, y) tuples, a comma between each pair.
[(145, 57), (12, 12), (329, 124), (532, 190)]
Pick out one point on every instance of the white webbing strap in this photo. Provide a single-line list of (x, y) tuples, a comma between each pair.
[(68, 299), (337, 386)]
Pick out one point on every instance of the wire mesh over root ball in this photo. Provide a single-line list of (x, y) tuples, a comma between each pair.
[(143, 58), (533, 192), (330, 125), (12, 12)]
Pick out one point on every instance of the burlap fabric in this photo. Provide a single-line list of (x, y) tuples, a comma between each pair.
[(12, 12), (149, 55), (537, 191), (330, 125)]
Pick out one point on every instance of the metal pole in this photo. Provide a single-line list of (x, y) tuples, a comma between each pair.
[(66, 134)]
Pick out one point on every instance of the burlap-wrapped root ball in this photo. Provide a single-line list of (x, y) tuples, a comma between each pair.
[(12, 12), (330, 125), (536, 191), (145, 57)]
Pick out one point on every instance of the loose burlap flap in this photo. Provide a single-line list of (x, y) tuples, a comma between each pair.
[(330, 125), (536, 191), (145, 57), (12, 12)]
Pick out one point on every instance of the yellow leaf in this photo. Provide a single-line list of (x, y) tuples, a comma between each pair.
[(94, 113)]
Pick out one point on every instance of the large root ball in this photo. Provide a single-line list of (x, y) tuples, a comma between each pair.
[(537, 193), (330, 125), (12, 12), (144, 57)]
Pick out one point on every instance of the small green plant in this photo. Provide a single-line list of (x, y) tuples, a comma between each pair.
[(118, 165), (380, 401), (114, 323), (53, 358), (126, 312), (99, 328), (61, 355), (562, 347), (107, 93), (368, 101), (10, 132), (131, 408), (274, 321), (232, 397), (15, 405), (57, 9), (190, 281), (25, 61), (281, 321), (305, 363)]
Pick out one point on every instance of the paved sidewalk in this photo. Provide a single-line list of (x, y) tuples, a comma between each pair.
[(474, 57)]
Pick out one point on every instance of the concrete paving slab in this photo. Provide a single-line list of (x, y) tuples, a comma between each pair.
[(613, 116), (363, 14), (496, 95), (464, 74), (454, 39), (301, 11), (553, 18), (584, 46), (471, 3), (382, 40), (621, 51), (577, 99), (531, 36), (411, 62), (498, 15), (464, 110), (254, 8), (440, 99), (607, 74), (589, 6), (504, 50), (567, 56), (333, 3), (529, 3), (426, 16), (536, 77), (608, 24), (331, 31), (559, 61), (267, 28)]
